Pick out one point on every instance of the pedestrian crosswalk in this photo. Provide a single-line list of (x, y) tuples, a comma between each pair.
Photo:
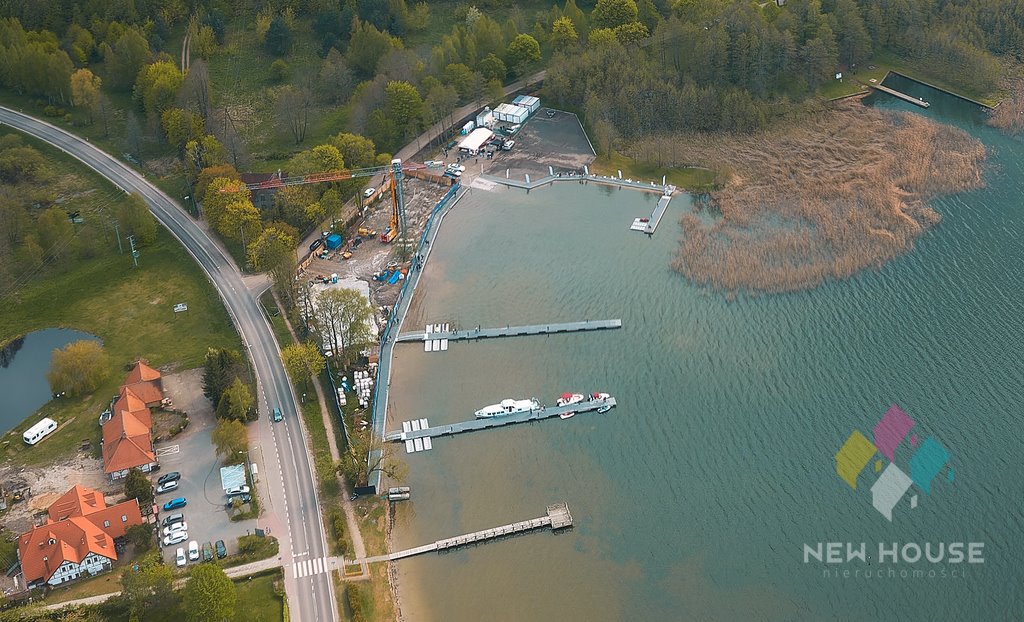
[(310, 567)]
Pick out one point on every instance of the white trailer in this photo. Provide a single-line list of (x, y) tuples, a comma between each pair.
[(39, 431)]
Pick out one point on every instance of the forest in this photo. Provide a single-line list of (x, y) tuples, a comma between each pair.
[(198, 91)]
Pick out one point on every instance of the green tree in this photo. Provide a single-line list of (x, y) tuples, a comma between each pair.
[(240, 222), (78, 368), (85, 91), (236, 402), (157, 86), (383, 130), (404, 106), (274, 252), (492, 68), (319, 159), (181, 126), (632, 32), (147, 585), (355, 466), (279, 71), (602, 37), (368, 45), (208, 174), (124, 57), (141, 537), (302, 360), (220, 369), (223, 191), (523, 50), (341, 318), (278, 40), (209, 595), (612, 13), (463, 79), (230, 438), (135, 219), (137, 486), (55, 232), (563, 34), (356, 151)]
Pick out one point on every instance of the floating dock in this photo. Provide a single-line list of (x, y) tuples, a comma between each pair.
[(649, 225), (557, 517), (419, 434), (440, 334), (907, 98)]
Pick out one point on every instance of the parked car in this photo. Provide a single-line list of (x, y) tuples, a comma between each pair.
[(167, 486), (168, 477), (193, 550), (237, 490), (175, 504), (507, 145), (317, 243), (277, 415), (180, 558), (222, 551), (175, 538), (207, 551), (456, 167), (368, 192), (175, 528), (550, 112), (173, 518)]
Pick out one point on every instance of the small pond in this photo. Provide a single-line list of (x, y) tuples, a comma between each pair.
[(23, 366)]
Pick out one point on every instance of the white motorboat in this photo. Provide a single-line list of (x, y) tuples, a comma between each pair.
[(565, 400), (508, 407)]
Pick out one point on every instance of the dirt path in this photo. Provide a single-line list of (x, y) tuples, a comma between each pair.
[(358, 547)]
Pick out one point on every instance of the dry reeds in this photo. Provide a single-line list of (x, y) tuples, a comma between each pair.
[(1009, 114), (838, 192)]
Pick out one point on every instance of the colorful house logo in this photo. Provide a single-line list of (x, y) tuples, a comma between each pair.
[(892, 437)]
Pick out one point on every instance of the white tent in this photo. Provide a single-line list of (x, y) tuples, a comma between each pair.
[(509, 113), (476, 139)]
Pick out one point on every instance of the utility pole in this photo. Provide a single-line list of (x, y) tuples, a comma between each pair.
[(135, 253), (117, 234), (241, 229)]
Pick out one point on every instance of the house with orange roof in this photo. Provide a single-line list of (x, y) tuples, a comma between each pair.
[(78, 538), (128, 435)]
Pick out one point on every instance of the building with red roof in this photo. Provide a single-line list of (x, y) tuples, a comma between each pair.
[(128, 435), (77, 539)]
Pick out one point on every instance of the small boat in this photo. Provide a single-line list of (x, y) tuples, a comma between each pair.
[(604, 408), (599, 396), (508, 407), (565, 400)]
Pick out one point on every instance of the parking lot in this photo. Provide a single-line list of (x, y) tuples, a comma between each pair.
[(557, 141), (193, 454)]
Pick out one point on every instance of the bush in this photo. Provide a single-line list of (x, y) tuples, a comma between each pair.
[(355, 602), (141, 536), (279, 71)]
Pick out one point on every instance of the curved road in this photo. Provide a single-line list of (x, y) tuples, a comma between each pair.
[(292, 489)]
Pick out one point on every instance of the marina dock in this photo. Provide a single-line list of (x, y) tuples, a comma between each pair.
[(435, 333), (651, 224), (416, 435), (907, 98), (557, 517)]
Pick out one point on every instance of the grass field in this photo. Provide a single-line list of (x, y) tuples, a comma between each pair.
[(130, 309), (692, 179)]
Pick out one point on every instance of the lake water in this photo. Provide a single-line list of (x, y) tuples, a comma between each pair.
[(694, 499), (23, 366)]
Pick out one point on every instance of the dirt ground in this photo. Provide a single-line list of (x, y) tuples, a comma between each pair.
[(558, 141), (370, 256), (48, 483)]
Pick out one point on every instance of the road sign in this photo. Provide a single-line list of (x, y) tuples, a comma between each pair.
[(181, 306)]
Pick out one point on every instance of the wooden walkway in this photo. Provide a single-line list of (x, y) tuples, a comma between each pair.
[(410, 436), (557, 517), (907, 98), (649, 225), (511, 331)]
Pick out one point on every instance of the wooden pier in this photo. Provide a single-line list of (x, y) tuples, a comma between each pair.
[(557, 517), (509, 331), (412, 435), (907, 98), (649, 225)]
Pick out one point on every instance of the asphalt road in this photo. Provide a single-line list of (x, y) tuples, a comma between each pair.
[(292, 491)]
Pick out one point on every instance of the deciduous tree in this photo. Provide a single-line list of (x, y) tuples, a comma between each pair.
[(240, 222), (85, 91), (563, 34), (138, 486), (209, 595), (303, 361), (523, 50), (341, 319), (135, 219), (236, 402), (613, 13), (492, 68), (78, 368), (157, 86), (274, 252), (230, 439), (147, 585), (220, 369)]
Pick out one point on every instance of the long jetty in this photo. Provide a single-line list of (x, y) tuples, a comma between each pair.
[(907, 98), (650, 225), (557, 517), (512, 331), (411, 435)]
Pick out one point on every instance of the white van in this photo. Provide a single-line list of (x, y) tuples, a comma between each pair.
[(39, 431), (255, 472)]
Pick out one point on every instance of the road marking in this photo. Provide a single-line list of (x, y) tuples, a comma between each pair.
[(166, 451), (310, 567)]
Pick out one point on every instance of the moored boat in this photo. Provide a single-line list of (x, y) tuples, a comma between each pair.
[(508, 407)]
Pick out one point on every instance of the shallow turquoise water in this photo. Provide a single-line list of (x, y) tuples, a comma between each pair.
[(694, 498)]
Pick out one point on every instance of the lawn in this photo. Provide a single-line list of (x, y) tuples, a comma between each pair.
[(259, 600), (129, 308), (885, 61), (693, 179)]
